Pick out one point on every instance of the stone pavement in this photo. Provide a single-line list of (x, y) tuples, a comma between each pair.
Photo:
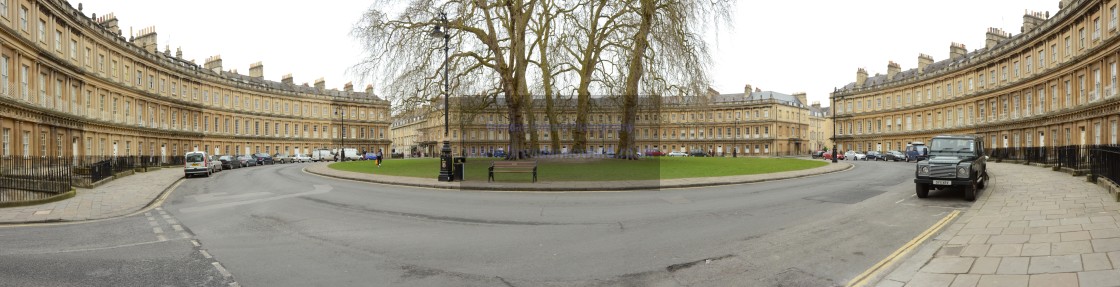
[(322, 169), (1030, 227), (115, 198)]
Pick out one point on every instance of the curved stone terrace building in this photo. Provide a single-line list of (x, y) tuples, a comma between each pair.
[(1054, 84), (73, 85), (753, 123)]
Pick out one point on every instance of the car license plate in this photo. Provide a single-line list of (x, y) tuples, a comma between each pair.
[(942, 182), (195, 164)]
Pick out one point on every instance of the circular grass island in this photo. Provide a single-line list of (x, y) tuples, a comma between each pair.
[(593, 169)]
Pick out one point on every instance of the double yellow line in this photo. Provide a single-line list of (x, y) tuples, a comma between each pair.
[(864, 278)]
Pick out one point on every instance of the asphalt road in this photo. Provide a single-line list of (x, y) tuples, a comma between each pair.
[(278, 226)]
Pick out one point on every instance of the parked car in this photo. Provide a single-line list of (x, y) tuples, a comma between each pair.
[(853, 155), (955, 161), (818, 154), (229, 162), (699, 153), (215, 164), (196, 163), (916, 151), (654, 153), (499, 153), (281, 158), (369, 156), (246, 160), (829, 155), (299, 157), (874, 155), (322, 155), (677, 153), (894, 155), (263, 158)]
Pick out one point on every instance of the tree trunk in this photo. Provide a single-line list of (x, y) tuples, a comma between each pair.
[(626, 135)]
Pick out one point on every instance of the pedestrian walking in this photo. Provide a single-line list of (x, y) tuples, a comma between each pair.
[(378, 157)]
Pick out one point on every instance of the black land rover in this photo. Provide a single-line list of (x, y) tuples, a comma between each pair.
[(954, 161)]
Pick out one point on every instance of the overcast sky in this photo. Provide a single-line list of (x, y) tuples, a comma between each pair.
[(783, 46)]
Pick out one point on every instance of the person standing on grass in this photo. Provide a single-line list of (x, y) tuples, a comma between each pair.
[(378, 156)]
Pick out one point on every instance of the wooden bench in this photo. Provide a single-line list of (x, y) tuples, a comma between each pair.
[(513, 167)]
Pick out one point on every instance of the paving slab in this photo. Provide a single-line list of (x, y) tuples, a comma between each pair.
[(118, 197), (1030, 227)]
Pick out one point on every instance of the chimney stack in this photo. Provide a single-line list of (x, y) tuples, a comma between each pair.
[(256, 70), (369, 90), (994, 36), (861, 77), (957, 50), (348, 87), (817, 105), (179, 52), (892, 70), (924, 61), (747, 90), (287, 79), (214, 63), (109, 21), (1032, 19), (146, 39), (321, 84), (801, 98)]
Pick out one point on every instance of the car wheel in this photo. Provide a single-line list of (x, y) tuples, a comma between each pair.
[(970, 191), (922, 190)]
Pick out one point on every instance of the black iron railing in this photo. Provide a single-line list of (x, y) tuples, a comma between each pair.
[(31, 178), (1106, 162)]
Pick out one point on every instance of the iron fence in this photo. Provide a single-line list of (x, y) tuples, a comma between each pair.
[(32, 178), (1106, 162)]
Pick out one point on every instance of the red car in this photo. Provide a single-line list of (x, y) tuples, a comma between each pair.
[(654, 153), (828, 155)]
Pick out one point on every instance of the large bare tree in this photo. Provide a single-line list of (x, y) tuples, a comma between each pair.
[(667, 35), (490, 54)]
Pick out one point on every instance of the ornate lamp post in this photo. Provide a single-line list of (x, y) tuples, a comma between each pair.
[(833, 110), (445, 152), (339, 111)]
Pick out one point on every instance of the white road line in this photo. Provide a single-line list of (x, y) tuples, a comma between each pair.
[(221, 269), (177, 227), (205, 254), (161, 238), (319, 188), (157, 230), (184, 235), (195, 243), (166, 217), (153, 223), (151, 218), (231, 197), (148, 214), (172, 221), (234, 284)]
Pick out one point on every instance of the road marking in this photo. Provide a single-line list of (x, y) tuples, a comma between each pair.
[(195, 243), (177, 227), (184, 235), (157, 230), (319, 188), (153, 223), (863, 278), (221, 269), (166, 217), (161, 238), (207, 197), (149, 215), (205, 254)]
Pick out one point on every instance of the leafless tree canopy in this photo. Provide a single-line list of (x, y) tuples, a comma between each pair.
[(559, 49)]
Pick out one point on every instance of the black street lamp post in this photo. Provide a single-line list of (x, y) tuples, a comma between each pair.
[(445, 152), (340, 111), (834, 135)]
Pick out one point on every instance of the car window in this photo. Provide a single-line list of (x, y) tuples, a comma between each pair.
[(195, 157)]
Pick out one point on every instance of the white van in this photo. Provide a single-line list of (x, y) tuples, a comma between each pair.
[(196, 162), (322, 155)]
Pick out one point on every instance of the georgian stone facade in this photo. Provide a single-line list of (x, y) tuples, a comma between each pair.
[(72, 85), (1055, 84), (753, 123)]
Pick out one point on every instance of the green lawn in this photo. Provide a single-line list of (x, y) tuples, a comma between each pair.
[(593, 169)]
